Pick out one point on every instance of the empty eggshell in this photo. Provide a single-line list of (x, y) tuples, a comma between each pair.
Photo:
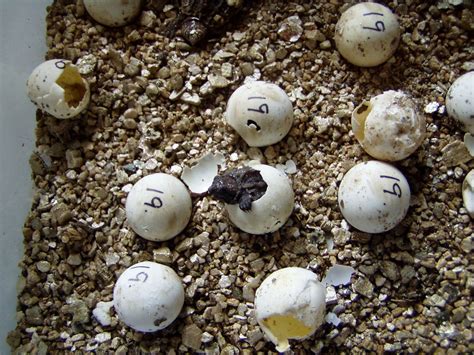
[(158, 207), (290, 304), (460, 101), (113, 13), (56, 87), (148, 296), (468, 193), (389, 126), (270, 211), (374, 196), (260, 112), (367, 34)]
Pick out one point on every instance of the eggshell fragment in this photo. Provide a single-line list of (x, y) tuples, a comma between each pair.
[(158, 207), (468, 193), (389, 126), (113, 13), (148, 296), (367, 34), (56, 87), (199, 177), (460, 101), (290, 304), (270, 211), (374, 196), (260, 112)]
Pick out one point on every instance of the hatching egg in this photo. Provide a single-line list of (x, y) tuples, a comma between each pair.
[(158, 207), (460, 101), (374, 196), (56, 87), (468, 193), (260, 112), (389, 126), (148, 296), (269, 212), (113, 13), (367, 34), (290, 304)]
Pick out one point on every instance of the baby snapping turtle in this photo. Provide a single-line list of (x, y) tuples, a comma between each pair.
[(242, 186)]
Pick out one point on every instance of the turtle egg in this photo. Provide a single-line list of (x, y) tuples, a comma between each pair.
[(148, 296), (468, 193), (290, 304), (158, 207), (260, 112), (56, 87), (113, 13), (374, 196), (269, 212), (367, 34), (460, 101), (389, 126)]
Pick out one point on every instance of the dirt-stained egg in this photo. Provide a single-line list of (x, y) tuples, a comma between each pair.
[(290, 304), (367, 34), (158, 207), (56, 87), (270, 211), (260, 112), (468, 193), (374, 196), (389, 126), (460, 101), (148, 296), (113, 13)]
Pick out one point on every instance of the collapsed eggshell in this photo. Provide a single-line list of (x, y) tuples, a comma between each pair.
[(468, 193), (389, 126), (260, 112), (290, 304), (367, 34), (460, 101), (158, 207), (374, 196), (56, 87), (270, 211), (113, 13), (148, 296)]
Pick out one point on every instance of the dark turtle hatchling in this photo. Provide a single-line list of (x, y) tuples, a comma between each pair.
[(242, 186)]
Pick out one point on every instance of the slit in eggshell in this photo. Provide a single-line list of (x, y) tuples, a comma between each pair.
[(73, 85), (358, 119)]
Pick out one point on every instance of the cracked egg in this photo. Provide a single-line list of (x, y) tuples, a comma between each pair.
[(113, 13)]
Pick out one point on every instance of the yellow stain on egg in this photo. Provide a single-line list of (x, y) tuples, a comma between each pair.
[(284, 327), (73, 84)]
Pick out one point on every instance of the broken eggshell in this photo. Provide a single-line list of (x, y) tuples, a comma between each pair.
[(148, 296), (389, 126), (269, 212), (468, 193), (260, 112), (113, 13), (460, 101), (199, 177), (56, 87), (290, 304)]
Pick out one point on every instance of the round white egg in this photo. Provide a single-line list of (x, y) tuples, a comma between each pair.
[(148, 296), (367, 34), (460, 101), (468, 193), (158, 207), (290, 304), (260, 112), (374, 196), (272, 210), (56, 87), (113, 13), (389, 126)]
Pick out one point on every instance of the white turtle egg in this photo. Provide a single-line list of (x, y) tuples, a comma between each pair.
[(272, 210), (260, 112), (148, 296), (290, 304), (460, 101), (56, 87), (158, 207), (468, 193), (374, 196), (113, 13), (367, 34), (389, 126)]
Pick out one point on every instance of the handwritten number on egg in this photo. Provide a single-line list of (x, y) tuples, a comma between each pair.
[(263, 108), (379, 25), (141, 276), (60, 64), (396, 189), (155, 202)]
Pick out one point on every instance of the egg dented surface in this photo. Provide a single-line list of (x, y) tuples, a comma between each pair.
[(290, 304)]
